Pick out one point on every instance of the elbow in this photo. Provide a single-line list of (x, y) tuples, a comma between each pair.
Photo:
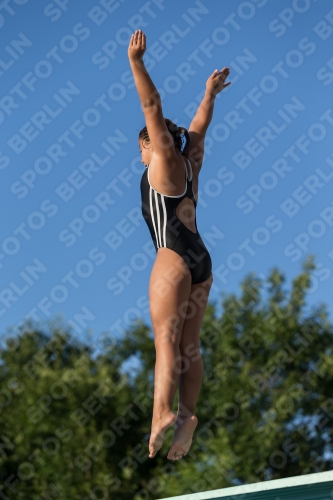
[(154, 100), (199, 127)]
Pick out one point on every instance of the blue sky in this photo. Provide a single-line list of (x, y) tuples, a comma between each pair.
[(70, 165)]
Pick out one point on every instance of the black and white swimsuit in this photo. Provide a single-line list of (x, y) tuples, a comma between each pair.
[(168, 231)]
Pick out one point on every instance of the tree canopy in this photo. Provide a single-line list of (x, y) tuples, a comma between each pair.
[(76, 426)]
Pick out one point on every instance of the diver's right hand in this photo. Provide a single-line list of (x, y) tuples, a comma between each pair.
[(215, 82)]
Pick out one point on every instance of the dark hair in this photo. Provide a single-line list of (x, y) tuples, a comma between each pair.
[(179, 134)]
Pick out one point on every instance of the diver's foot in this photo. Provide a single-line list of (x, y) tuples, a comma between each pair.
[(183, 437), (159, 426)]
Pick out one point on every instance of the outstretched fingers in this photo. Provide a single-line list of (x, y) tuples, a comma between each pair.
[(223, 74), (132, 40), (141, 39), (138, 39), (137, 46)]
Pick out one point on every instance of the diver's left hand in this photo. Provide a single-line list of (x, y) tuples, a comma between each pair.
[(137, 46)]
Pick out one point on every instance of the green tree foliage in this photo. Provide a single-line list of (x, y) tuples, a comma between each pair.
[(74, 426)]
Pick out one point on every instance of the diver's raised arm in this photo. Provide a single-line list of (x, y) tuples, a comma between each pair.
[(204, 114), (149, 98)]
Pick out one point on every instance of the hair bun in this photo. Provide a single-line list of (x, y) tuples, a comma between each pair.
[(180, 135)]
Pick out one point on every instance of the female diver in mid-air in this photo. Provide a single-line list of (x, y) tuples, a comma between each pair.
[(182, 273)]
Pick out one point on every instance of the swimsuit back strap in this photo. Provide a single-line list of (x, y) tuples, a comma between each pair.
[(191, 174), (189, 162)]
